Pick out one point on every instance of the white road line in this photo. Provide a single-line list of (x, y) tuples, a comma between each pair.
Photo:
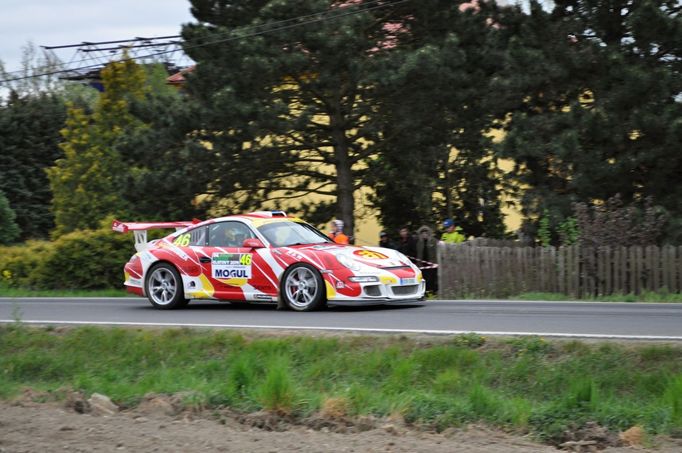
[(48, 299), (348, 329), (434, 302)]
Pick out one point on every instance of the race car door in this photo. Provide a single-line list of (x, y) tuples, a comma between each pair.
[(231, 268)]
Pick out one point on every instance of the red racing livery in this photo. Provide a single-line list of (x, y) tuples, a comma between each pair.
[(263, 257)]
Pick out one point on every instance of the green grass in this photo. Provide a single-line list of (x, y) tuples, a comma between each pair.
[(646, 296), (520, 384), (19, 292)]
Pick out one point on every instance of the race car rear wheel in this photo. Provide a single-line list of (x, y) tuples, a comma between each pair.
[(302, 288), (164, 287)]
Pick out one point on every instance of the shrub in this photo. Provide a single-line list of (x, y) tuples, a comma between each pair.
[(86, 260), (18, 263), (91, 259)]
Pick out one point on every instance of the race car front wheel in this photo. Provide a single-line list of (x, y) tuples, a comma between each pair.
[(164, 287), (303, 288)]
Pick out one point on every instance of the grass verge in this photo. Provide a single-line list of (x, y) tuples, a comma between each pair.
[(521, 384), (646, 296)]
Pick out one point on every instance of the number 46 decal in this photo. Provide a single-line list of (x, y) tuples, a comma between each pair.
[(182, 240)]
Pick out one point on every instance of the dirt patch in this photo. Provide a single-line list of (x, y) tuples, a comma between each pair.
[(157, 426), (590, 437)]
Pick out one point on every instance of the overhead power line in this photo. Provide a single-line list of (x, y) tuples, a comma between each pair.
[(86, 43), (281, 25), (321, 16)]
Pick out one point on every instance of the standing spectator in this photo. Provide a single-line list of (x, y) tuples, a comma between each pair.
[(384, 241), (453, 234), (427, 255), (336, 234), (426, 244), (406, 243)]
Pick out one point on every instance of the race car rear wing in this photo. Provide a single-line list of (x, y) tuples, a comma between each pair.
[(140, 229)]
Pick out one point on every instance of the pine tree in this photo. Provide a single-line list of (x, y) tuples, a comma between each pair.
[(29, 136), (168, 167), (287, 111), (438, 106), (594, 94), (10, 230)]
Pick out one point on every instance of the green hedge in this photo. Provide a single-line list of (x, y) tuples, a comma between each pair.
[(79, 260)]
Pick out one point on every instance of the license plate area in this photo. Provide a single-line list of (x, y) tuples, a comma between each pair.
[(408, 281)]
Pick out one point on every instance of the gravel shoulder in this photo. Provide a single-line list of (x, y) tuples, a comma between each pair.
[(52, 427)]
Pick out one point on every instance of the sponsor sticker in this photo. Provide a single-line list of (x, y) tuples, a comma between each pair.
[(370, 255), (231, 265), (295, 255), (325, 247)]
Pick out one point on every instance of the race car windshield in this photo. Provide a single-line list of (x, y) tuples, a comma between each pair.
[(284, 234)]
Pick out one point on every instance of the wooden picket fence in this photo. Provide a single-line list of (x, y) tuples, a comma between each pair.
[(470, 270)]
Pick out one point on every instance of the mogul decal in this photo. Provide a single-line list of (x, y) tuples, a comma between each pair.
[(231, 265)]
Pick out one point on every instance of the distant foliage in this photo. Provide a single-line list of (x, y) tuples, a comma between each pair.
[(87, 182), (569, 232), (89, 259), (592, 91), (34, 61), (553, 232), (616, 224), (29, 137), (9, 231), (84, 182), (544, 233)]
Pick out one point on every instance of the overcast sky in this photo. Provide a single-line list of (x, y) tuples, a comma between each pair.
[(59, 22)]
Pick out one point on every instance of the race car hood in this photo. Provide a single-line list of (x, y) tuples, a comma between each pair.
[(376, 257)]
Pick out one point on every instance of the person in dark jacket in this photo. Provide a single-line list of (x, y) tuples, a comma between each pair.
[(427, 254), (406, 243), (426, 244), (384, 241)]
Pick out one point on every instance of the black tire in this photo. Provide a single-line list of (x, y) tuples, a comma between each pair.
[(164, 288), (302, 288)]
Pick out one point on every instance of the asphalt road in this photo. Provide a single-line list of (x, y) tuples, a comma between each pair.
[(580, 319)]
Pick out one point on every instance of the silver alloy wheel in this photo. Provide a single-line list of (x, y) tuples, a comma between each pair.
[(162, 286), (301, 287)]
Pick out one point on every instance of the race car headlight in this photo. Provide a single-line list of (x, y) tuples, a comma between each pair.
[(363, 279), (349, 263)]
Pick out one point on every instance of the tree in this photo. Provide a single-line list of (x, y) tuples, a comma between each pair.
[(32, 112), (87, 181), (438, 106), (10, 230), (168, 167), (29, 136), (27, 81), (287, 112), (594, 94)]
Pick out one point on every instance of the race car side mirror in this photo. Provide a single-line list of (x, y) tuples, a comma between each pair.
[(253, 243)]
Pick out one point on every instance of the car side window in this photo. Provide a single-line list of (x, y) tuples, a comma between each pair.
[(228, 234), (198, 236)]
